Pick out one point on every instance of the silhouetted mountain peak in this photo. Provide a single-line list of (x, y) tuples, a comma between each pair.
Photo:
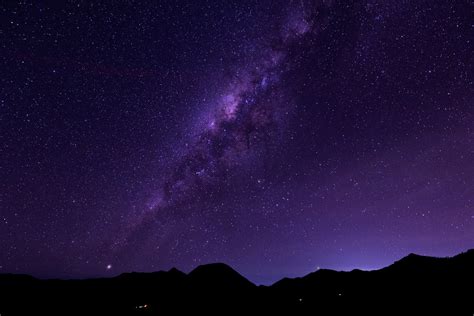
[(414, 263), (414, 258), (218, 274), (174, 271), (213, 269)]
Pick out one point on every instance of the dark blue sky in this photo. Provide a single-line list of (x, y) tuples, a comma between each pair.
[(275, 136)]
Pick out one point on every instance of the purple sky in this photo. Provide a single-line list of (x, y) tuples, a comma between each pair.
[(274, 136)]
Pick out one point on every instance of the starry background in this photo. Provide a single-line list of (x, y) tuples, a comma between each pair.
[(275, 136)]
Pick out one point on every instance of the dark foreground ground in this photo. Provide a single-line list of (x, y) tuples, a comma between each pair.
[(414, 285)]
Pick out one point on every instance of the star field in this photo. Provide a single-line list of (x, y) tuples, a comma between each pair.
[(275, 136)]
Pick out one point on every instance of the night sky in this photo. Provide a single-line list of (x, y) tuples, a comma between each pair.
[(275, 136)]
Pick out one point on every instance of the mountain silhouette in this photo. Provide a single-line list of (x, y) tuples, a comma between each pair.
[(415, 284), (218, 272), (219, 276)]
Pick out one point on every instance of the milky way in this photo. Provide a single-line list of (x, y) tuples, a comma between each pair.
[(232, 133), (275, 136)]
